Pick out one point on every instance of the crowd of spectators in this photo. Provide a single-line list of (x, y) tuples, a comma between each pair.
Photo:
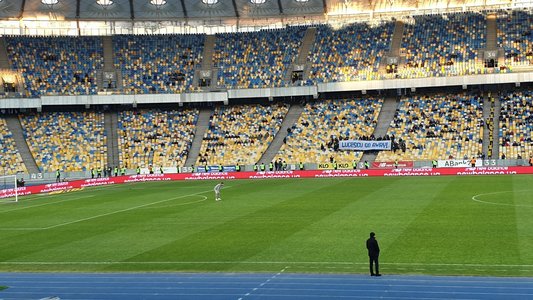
[(323, 124), (516, 125), (56, 65), (436, 127), (443, 45), (157, 63), (240, 134), (432, 45), (68, 141), (155, 137), (350, 53), (10, 159), (515, 36), (256, 59)]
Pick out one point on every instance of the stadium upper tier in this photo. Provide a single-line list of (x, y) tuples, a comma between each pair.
[(240, 134), (11, 161), (157, 63), (56, 65), (351, 53), (436, 127), (516, 125), (256, 59), (73, 141), (443, 45), (315, 138), (429, 45), (156, 138), (515, 37)]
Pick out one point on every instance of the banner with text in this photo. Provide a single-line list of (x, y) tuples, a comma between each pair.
[(361, 145), (458, 163)]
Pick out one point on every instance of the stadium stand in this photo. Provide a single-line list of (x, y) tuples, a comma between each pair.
[(240, 134), (516, 125), (256, 59), (350, 53), (443, 45), (515, 37), (155, 137), (68, 141), (157, 63), (323, 124), (436, 127), (56, 65), (11, 161)]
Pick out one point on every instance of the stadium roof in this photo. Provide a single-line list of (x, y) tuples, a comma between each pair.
[(159, 10)]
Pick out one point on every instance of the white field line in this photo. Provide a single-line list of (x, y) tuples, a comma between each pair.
[(111, 213), (255, 262), (475, 198), (47, 203)]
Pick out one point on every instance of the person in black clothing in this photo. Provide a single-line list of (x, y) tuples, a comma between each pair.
[(373, 254)]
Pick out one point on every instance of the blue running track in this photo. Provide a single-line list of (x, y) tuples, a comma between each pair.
[(235, 286)]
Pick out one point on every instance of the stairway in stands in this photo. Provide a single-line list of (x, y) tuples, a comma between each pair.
[(109, 63), (397, 37), (492, 38), (6, 65), (207, 61), (386, 115), (395, 45), (491, 32), (209, 49), (303, 54), (496, 127), (111, 127), (13, 123), (201, 127), (307, 44), (4, 59), (488, 112), (290, 119)]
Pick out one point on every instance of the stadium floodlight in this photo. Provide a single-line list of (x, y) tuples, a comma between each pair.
[(158, 3), (104, 3), (257, 1), (9, 183), (210, 2), (50, 2)]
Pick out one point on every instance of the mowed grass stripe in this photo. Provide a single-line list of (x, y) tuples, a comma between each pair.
[(133, 232), (247, 236), (454, 229), (108, 201), (56, 243), (424, 225), (377, 206), (524, 216)]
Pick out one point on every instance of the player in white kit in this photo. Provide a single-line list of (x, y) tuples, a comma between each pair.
[(217, 189)]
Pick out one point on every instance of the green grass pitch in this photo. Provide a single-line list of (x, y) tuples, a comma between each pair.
[(425, 225)]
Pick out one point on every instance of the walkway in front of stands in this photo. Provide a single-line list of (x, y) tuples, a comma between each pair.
[(243, 286)]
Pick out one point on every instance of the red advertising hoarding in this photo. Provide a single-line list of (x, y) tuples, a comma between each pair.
[(73, 185), (390, 165)]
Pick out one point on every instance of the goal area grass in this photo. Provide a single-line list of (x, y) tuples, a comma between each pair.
[(469, 225)]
